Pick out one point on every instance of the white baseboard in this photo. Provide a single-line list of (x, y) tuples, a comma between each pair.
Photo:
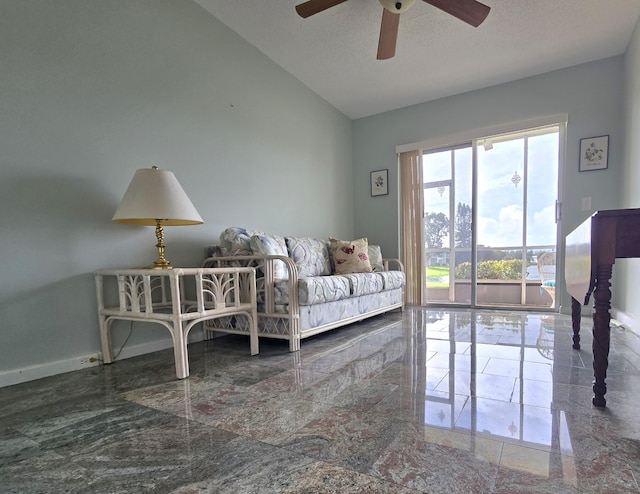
[(17, 376), (630, 321)]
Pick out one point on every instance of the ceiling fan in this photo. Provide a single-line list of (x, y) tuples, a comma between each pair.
[(470, 11)]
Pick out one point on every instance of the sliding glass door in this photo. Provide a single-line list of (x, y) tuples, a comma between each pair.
[(489, 217), (447, 223)]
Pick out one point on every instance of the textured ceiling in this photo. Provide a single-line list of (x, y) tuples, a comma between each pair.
[(334, 52)]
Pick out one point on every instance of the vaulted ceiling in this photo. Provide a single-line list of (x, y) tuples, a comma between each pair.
[(437, 55)]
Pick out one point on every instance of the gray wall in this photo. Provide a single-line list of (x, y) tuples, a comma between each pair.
[(591, 95), (91, 90), (625, 287)]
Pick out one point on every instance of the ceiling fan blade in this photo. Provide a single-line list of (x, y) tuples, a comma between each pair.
[(470, 11), (307, 9), (388, 35)]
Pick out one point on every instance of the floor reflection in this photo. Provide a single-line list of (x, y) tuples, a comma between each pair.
[(504, 389), (435, 401)]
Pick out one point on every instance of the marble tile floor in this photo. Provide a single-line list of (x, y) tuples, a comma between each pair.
[(424, 401)]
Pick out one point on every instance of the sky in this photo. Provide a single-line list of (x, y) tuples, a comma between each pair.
[(501, 203)]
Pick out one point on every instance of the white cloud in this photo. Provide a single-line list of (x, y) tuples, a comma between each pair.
[(506, 231), (543, 229)]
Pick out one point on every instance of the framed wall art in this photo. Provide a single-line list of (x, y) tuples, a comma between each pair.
[(379, 183), (594, 153)]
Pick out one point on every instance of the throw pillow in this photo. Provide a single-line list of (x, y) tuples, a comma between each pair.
[(235, 241), (375, 258), (350, 257), (271, 245), (310, 255)]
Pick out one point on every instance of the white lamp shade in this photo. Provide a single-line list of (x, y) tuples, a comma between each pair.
[(154, 195)]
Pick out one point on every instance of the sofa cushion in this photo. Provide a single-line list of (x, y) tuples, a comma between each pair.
[(350, 257), (271, 245), (312, 316), (392, 279), (236, 241), (375, 258), (310, 255), (364, 283), (315, 290)]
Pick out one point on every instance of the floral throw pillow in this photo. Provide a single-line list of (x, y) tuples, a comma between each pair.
[(310, 255), (350, 257), (235, 241), (271, 245)]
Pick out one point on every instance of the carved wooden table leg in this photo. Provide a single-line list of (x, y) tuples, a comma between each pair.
[(576, 314), (601, 332)]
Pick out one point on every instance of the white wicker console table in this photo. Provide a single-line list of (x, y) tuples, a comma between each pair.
[(152, 295)]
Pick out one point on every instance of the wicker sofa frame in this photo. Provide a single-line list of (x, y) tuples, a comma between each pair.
[(273, 323)]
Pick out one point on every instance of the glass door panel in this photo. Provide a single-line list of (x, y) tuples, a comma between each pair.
[(516, 221), (447, 224), (436, 233), (541, 232), (500, 223), (462, 224), (503, 253)]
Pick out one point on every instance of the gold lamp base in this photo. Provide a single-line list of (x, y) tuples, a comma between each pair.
[(160, 262)]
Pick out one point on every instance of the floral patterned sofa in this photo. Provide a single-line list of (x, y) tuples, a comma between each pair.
[(306, 285)]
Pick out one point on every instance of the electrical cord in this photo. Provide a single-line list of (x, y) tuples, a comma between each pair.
[(94, 359), (125, 341)]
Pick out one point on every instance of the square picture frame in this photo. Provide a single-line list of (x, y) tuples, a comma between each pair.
[(594, 153), (379, 183)]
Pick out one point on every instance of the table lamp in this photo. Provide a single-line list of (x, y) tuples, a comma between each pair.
[(155, 198)]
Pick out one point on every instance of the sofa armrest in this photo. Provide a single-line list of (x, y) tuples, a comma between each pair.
[(266, 282), (394, 264)]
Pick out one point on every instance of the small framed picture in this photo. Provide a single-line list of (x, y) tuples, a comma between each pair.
[(379, 183), (594, 153)]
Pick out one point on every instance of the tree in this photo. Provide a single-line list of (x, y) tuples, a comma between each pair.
[(436, 227), (463, 225)]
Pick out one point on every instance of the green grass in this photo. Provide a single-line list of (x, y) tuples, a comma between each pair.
[(438, 271), (433, 275)]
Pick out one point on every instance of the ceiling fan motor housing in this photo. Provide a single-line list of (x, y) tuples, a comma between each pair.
[(397, 6)]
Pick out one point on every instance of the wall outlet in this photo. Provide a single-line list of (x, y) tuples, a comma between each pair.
[(89, 360), (586, 203)]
